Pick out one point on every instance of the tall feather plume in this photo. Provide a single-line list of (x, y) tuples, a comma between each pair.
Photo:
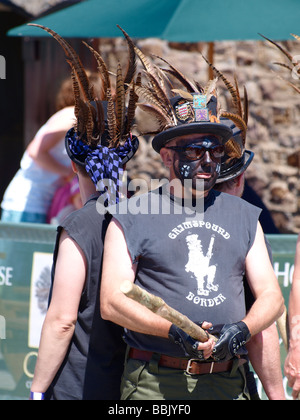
[(283, 50), (111, 120), (240, 118), (89, 109), (246, 106), (102, 69), (179, 76), (76, 90), (131, 68), (228, 84), (286, 53), (132, 103), (120, 101), (157, 93), (296, 63), (73, 60)]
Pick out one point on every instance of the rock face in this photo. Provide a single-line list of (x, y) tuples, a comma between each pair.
[(274, 122)]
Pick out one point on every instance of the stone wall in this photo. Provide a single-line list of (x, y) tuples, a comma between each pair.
[(274, 123)]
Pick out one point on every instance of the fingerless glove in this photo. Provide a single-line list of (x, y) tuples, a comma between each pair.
[(232, 341), (185, 342)]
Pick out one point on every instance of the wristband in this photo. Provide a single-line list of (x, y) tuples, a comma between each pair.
[(37, 396)]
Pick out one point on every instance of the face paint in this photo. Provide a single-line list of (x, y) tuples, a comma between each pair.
[(203, 169)]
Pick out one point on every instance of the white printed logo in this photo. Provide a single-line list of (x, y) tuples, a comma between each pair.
[(199, 265)]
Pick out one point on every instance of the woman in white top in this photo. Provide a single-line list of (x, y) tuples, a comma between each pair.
[(45, 165)]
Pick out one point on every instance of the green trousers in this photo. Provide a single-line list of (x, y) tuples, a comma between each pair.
[(149, 381)]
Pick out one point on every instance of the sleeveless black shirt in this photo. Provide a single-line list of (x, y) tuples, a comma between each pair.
[(94, 363)]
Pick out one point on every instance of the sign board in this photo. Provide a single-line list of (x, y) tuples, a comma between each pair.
[(25, 267)]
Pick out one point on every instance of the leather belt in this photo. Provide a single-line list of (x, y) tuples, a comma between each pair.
[(192, 366)]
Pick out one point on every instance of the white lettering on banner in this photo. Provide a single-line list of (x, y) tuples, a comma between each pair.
[(2, 328), (287, 273), (28, 370), (6, 274)]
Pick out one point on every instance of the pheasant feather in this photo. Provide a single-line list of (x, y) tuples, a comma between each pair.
[(120, 101), (101, 68), (73, 60), (131, 69)]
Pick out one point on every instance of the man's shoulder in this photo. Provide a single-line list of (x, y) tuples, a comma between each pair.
[(138, 204), (87, 215)]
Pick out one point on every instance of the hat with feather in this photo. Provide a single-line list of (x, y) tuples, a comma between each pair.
[(101, 140), (176, 112), (236, 158)]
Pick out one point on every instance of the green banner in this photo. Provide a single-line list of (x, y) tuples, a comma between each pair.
[(25, 266), (26, 252)]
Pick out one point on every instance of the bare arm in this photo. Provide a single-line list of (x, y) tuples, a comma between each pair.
[(115, 306), (264, 354), (269, 303), (59, 325), (48, 137), (292, 363)]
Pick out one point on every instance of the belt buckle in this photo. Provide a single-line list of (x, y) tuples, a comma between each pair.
[(189, 365), (197, 361)]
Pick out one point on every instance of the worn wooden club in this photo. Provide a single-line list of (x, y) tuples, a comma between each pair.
[(159, 307)]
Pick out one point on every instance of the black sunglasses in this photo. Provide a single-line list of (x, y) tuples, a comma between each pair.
[(196, 152)]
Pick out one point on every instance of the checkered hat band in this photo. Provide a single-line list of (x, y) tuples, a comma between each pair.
[(103, 164), (106, 171)]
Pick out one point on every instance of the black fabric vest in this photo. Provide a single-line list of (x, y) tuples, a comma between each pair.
[(94, 364), (195, 262)]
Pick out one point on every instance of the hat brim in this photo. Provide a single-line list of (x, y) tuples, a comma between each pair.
[(81, 162), (161, 139), (236, 171)]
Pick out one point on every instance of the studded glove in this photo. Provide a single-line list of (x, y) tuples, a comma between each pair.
[(186, 343), (231, 343)]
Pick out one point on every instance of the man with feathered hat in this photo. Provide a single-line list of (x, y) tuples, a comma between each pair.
[(81, 356), (193, 256), (232, 181)]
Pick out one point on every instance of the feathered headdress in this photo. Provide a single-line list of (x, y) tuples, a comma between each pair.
[(294, 68), (101, 140), (187, 109), (236, 158)]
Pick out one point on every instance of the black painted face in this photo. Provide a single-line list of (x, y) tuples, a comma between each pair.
[(206, 169)]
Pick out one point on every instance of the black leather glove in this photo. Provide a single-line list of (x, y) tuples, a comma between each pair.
[(186, 342), (231, 342)]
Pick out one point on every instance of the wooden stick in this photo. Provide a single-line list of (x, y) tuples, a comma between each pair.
[(159, 307), (282, 323)]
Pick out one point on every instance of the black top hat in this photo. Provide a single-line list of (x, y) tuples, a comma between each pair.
[(192, 117), (236, 159)]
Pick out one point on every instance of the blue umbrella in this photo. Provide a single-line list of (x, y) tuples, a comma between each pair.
[(173, 20)]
